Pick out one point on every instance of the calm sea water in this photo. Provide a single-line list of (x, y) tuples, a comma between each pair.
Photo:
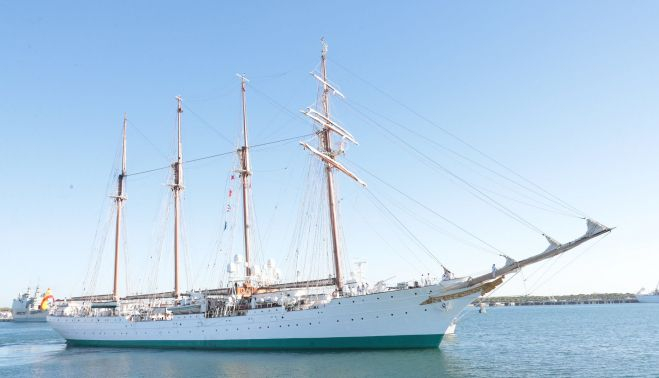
[(556, 341)]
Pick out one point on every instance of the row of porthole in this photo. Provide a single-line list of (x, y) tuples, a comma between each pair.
[(248, 328), (288, 325)]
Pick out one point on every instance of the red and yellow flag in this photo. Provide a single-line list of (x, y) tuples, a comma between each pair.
[(45, 302)]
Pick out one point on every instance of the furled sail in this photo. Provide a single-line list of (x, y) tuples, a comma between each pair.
[(553, 244), (325, 121), (330, 86), (333, 163)]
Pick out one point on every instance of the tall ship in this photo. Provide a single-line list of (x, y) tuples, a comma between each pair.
[(31, 306), (648, 297), (255, 309)]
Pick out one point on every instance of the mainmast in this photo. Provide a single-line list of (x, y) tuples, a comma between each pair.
[(119, 200), (177, 186), (245, 173), (326, 143), (328, 156)]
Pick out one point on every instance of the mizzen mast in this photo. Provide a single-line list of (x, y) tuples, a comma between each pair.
[(328, 155), (119, 201), (245, 174), (177, 187)]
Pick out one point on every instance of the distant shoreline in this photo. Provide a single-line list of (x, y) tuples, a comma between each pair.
[(552, 300)]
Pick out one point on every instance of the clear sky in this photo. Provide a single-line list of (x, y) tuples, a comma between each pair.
[(564, 93)]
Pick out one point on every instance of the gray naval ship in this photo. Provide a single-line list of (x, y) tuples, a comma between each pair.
[(31, 306)]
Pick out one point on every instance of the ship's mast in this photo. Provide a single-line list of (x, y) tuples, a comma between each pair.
[(245, 173), (328, 156), (326, 144), (177, 186), (119, 201)]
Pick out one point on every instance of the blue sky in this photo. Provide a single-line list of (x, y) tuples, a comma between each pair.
[(564, 93)]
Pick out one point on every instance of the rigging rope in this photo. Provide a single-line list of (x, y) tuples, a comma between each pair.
[(498, 251), (464, 142), (158, 150), (221, 154), (540, 284), (208, 125), (401, 224), (474, 162), (481, 195)]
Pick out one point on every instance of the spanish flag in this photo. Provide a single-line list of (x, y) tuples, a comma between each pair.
[(45, 301)]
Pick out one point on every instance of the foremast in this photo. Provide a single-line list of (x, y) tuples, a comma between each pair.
[(119, 201), (328, 155), (177, 187), (245, 174)]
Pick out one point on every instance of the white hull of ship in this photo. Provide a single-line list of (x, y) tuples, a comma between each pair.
[(392, 319)]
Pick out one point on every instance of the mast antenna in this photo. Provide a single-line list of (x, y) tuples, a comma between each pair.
[(245, 174), (119, 200), (177, 187)]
